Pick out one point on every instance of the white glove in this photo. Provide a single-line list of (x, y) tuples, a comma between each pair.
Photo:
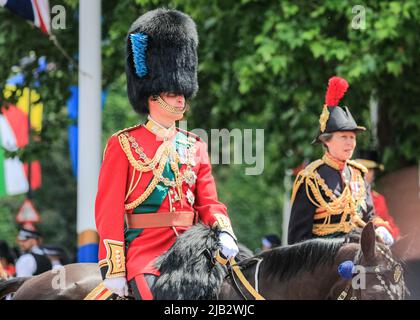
[(385, 235), (117, 285), (228, 245)]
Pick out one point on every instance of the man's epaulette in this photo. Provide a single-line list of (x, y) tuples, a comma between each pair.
[(116, 134), (357, 165), (302, 175), (127, 129)]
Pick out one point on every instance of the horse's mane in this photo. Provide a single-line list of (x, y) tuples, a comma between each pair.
[(286, 262), (186, 269)]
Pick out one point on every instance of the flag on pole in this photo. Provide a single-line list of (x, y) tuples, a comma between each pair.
[(14, 173), (17, 83), (36, 11), (22, 105), (73, 111)]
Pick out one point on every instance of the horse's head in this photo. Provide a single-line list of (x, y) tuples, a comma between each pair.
[(371, 273)]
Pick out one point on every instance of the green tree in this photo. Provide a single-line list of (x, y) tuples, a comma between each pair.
[(262, 64)]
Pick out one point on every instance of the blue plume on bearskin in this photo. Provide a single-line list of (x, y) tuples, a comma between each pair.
[(139, 45)]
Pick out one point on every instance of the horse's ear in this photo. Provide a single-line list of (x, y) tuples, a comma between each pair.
[(368, 241), (401, 249)]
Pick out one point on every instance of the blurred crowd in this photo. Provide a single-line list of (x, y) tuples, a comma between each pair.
[(29, 256)]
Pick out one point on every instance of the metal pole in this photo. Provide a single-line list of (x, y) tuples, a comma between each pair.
[(89, 126), (374, 118), (29, 194), (287, 183)]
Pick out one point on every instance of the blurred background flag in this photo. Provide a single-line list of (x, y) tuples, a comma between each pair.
[(17, 83), (72, 109), (36, 11), (14, 173), (14, 136)]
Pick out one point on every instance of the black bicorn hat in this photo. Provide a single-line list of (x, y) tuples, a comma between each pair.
[(334, 117), (161, 56), (369, 158)]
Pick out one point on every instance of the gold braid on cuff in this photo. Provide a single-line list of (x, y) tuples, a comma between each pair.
[(223, 224), (115, 258)]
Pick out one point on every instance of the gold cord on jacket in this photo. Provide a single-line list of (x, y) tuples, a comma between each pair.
[(345, 205), (156, 165)]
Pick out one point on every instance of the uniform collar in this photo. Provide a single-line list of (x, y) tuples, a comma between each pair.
[(157, 129), (334, 163)]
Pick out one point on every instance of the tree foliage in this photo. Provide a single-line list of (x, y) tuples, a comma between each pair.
[(262, 64)]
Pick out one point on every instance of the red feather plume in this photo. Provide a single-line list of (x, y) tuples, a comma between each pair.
[(337, 87)]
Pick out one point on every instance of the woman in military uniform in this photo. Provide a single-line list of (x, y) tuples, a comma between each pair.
[(330, 197), (155, 181)]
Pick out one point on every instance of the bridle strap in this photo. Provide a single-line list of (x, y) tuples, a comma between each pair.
[(376, 270), (244, 281), (257, 272), (237, 271)]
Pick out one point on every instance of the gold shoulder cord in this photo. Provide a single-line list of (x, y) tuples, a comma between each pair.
[(303, 175), (357, 165), (127, 129), (345, 204), (144, 164), (161, 157), (116, 134)]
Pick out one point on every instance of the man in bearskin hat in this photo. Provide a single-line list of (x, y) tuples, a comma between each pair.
[(330, 197), (370, 159), (155, 181)]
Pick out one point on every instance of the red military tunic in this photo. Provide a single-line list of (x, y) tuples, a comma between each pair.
[(120, 189), (381, 210)]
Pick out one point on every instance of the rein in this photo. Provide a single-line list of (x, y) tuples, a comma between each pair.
[(235, 269)]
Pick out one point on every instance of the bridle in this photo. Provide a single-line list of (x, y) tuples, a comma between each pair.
[(379, 271), (234, 271)]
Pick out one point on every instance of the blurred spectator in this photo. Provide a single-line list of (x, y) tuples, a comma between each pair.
[(33, 261), (7, 268), (369, 159), (57, 255), (270, 241)]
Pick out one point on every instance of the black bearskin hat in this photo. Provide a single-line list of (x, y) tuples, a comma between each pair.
[(161, 56)]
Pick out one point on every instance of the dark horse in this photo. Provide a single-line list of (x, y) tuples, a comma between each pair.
[(306, 270)]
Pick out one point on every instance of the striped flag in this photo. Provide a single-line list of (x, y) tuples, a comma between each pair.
[(14, 135), (37, 11)]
